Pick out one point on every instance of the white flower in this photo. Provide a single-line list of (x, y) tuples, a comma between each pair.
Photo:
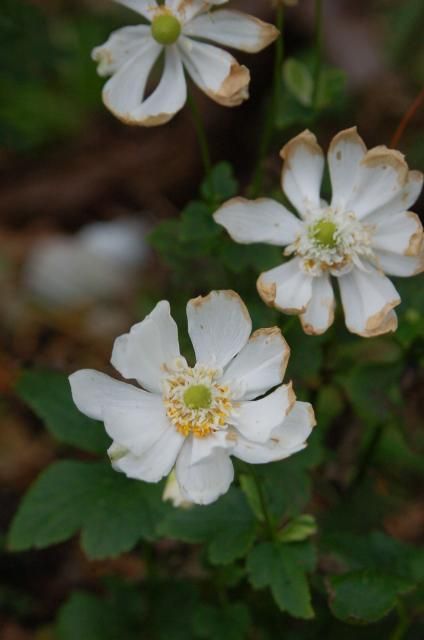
[(195, 418), (97, 263), (177, 29), (364, 233)]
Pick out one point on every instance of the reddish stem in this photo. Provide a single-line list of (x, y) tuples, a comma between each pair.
[(409, 114)]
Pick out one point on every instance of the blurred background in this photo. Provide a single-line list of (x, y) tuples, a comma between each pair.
[(91, 239)]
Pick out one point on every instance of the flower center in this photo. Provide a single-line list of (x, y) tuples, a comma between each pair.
[(166, 29), (198, 397), (195, 401), (324, 232)]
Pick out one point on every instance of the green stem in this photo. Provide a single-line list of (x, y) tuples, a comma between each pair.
[(367, 457), (201, 135), (272, 107), (318, 50), (403, 622), (265, 511)]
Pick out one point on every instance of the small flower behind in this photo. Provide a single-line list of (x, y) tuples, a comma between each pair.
[(193, 419), (177, 28), (365, 232)]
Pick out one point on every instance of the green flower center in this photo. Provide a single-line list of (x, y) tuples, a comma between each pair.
[(198, 397), (324, 232), (166, 29)]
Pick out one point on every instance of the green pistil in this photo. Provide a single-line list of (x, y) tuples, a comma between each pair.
[(198, 397), (166, 29), (324, 232)]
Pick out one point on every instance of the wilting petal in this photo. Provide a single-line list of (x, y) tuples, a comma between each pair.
[(188, 9), (260, 365), (145, 7), (401, 201), (122, 46), (204, 482), (232, 29), (215, 72), (257, 419), (346, 151), (219, 326), (286, 287), (368, 298), (303, 169), (150, 344), (401, 266), (262, 220), (319, 314), (402, 233)]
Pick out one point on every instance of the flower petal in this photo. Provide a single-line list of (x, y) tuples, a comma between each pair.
[(262, 220), (92, 390), (122, 46), (204, 482), (286, 440), (188, 9), (157, 462), (303, 169), (346, 151), (401, 201), (368, 298), (381, 177), (257, 419), (150, 344), (232, 29), (123, 93), (203, 448), (319, 314), (401, 266), (260, 365), (402, 233), (145, 7), (215, 72), (169, 96), (286, 287), (219, 326)]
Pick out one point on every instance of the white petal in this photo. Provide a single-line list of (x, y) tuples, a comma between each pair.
[(123, 93), (204, 482), (150, 344), (203, 448), (157, 462), (402, 233), (401, 201), (188, 9), (260, 365), (215, 72), (92, 390), (262, 220), (232, 29), (169, 96), (368, 298), (286, 440), (257, 419), (303, 169), (122, 46), (402, 266), (145, 7), (346, 151), (219, 326), (286, 287), (319, 314), (381, 177), (137, 426)]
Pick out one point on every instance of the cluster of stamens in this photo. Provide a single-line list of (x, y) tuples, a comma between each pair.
[(332, 242), (195, 401)]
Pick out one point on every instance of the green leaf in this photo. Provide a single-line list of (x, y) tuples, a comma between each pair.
[(279, 567), (171, 607), (197, 224), (221, 184), (298, 80), (230, 622), (364, 596), (113, 512), (227, 527), (298, 529), (332, 86), (49, 395)]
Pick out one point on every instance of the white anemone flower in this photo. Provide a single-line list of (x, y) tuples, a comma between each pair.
[(194, 418), (365, 232), (177, 29)]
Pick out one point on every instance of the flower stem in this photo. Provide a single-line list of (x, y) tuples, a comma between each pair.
[(407, 118), (264, 507), (318, 50), (201, 138), (367, 457), (272, 107), (403, 622)]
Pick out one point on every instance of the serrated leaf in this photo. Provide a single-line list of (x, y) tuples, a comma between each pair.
[(221, 184), (298, 529), (280, 567), (364, 596), (230, 622), (227, 527), (298, 80), (49, 395), (112, 512)]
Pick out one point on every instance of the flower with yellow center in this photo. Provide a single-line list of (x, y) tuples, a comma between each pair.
[(181, 31), (365, 232), (192, 419)]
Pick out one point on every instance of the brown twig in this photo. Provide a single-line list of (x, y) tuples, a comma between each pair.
[(409, 114)]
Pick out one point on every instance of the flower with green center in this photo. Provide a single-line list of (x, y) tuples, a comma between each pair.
[(192, 419), (166, 29), (324, 233)]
